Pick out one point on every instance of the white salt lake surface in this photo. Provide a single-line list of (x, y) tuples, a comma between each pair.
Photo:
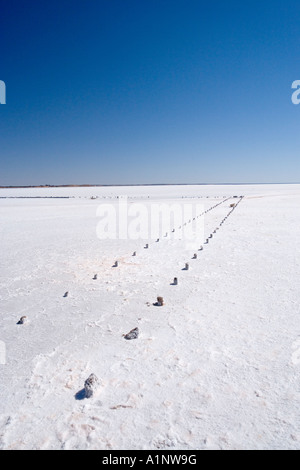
[(217, 367)]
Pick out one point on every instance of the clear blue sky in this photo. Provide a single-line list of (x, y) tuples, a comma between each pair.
[(158, 91)]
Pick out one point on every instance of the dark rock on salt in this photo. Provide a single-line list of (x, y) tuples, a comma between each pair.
[(133, 334)]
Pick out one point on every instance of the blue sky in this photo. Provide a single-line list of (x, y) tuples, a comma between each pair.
[(159, 91)]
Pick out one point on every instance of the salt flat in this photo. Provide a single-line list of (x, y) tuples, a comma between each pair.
[(217, 367)]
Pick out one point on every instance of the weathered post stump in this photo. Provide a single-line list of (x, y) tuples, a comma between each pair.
[(133, 334), (91, 385)]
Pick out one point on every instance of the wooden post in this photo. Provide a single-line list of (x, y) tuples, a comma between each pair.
[(133, 334), (90, 385)]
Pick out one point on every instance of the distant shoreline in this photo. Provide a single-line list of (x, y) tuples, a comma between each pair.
[(135, 185)]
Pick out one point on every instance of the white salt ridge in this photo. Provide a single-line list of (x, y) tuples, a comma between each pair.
[(215, 368)]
